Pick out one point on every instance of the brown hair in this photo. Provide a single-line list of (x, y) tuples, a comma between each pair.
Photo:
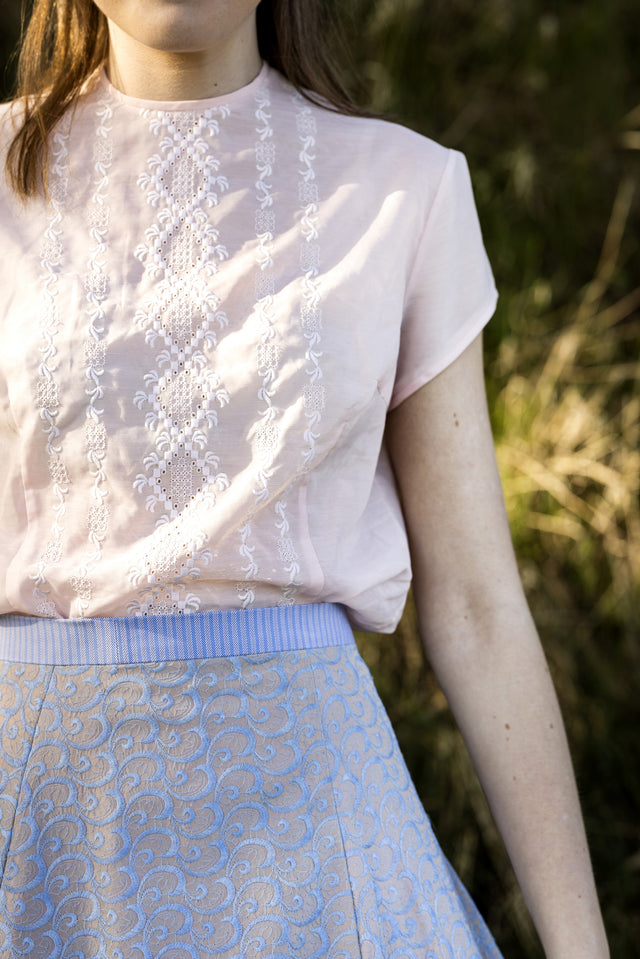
[(65, 41)]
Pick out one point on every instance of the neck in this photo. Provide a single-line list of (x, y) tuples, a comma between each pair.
[(151, 74)]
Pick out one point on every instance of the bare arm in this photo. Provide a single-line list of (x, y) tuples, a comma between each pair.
[(483, 646)]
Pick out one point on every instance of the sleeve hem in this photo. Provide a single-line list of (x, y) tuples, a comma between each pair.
[(430, 370)]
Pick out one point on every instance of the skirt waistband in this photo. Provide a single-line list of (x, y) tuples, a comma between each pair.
[(166, 637)]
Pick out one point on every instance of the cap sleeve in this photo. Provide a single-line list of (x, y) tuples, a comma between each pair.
[(451, 293)]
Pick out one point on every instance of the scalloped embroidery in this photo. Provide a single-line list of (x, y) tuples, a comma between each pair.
[(267, 436), (47, 394), (310, 268), (313, 398), (96, 287)]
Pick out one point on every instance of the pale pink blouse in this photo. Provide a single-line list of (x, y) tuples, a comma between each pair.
[(200, 336)]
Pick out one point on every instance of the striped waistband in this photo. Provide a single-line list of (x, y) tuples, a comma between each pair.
[(162, 638)]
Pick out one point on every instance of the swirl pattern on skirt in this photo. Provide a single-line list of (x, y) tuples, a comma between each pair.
[(240, 807)]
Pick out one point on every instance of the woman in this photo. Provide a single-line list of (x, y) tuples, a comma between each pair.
[(213, 292)]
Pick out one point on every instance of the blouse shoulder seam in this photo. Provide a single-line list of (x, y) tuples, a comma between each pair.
[(451, 154)]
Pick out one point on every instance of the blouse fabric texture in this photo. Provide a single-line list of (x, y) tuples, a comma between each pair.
[(201, 333)]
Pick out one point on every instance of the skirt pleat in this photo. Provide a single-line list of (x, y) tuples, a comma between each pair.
[(233, 806)]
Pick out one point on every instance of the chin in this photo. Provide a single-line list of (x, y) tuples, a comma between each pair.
[(179, 26), (177, 30)]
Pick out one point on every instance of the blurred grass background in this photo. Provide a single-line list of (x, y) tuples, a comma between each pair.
[(544, 99)]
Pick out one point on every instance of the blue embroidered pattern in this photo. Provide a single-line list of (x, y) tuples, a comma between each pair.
[(236, 807)]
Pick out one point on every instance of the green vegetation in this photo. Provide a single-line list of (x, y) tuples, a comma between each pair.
[(544, 100)]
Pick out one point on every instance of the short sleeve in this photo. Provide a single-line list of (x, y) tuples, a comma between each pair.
[(450, 293)]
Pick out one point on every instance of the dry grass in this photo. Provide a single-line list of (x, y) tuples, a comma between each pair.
[(568, 435)]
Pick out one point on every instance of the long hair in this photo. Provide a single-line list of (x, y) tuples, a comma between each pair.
[(65, 42)]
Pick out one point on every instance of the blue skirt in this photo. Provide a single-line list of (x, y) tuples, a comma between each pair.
[(215, 784)]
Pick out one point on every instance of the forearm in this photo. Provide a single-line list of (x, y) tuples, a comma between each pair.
[(496, 679), (484, 648)]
